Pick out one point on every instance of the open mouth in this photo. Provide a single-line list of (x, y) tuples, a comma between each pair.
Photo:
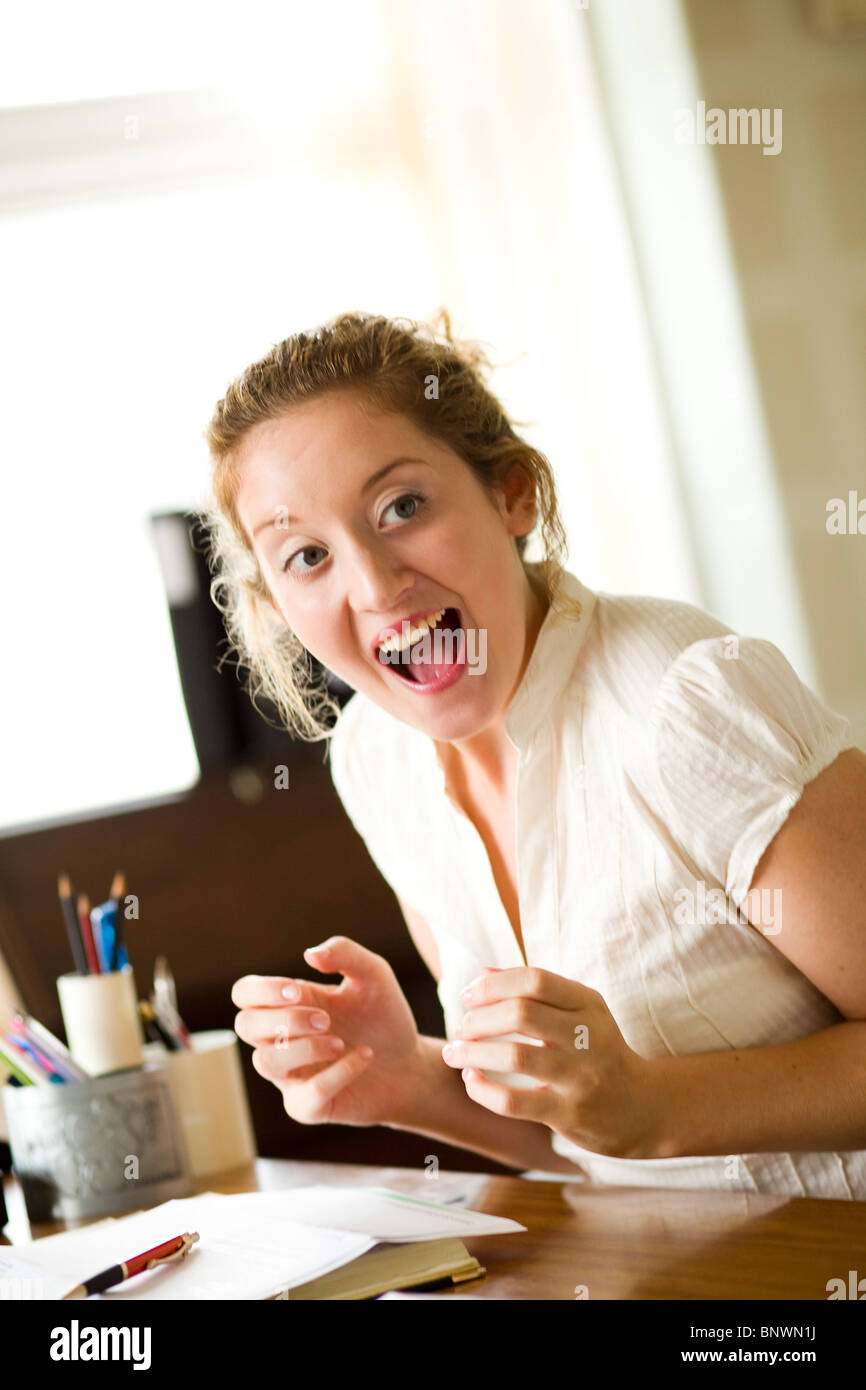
[(433, 655)]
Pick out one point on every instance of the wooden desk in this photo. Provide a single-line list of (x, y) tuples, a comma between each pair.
[(618, 1243)]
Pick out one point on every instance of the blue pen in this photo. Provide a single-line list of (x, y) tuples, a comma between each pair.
[(115, 897), (103, 922)]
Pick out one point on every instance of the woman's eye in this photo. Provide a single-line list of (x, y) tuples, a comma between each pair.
[(414, 498), (301, 569)]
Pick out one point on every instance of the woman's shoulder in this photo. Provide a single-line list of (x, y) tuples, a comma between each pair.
[(660, 628), (636, 639)]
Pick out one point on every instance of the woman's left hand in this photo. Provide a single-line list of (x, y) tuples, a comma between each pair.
[(592, 1088)]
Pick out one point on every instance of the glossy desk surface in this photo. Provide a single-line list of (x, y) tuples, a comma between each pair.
[(600, 1243)]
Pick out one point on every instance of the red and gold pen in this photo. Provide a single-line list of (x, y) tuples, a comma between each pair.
[(174, 1249)]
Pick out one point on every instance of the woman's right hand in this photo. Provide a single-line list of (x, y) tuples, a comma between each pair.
[(322, 1074)]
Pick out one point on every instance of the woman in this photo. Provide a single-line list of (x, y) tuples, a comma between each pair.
[(635, 837)]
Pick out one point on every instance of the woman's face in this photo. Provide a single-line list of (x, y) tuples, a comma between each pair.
[(351, 543)]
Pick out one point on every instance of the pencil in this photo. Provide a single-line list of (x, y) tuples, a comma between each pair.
[(73, 931), (31, 1054), (87, 934), (23, 1068), (62, 1060)]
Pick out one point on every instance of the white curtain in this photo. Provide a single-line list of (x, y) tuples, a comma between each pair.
[(505, 138), (718, 440)]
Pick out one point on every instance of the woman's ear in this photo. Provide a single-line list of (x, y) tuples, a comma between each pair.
[(519, 508)]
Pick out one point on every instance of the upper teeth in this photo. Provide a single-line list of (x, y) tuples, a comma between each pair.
[(394, 642)]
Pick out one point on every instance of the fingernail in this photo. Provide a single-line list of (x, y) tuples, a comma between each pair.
[(488, 970), (291, 992), (365, 1052), (319, 1021), (320, 951)]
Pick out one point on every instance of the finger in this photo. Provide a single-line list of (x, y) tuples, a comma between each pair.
[(321, 1089), (541, 1064), (266, 992), (519, 1104), (256, 1026), (278, 1062), (530, 981), (517, 1015), (342, 956)]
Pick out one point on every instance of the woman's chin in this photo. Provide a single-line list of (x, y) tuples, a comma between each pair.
[(461, 709)]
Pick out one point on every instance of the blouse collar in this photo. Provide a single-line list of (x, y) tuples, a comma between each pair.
[(556, 649)]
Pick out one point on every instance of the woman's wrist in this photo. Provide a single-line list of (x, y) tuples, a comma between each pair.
[(652, 1137), (426, 1073), (439, 1107)]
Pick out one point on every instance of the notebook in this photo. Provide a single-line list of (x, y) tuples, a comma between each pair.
[(440, 1263)]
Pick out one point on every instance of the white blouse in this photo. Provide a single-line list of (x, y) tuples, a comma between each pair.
[(659, 754)]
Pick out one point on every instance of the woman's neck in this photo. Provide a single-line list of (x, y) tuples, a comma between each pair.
[(488, 759)]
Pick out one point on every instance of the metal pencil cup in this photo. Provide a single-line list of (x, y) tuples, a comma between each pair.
[(96, 1148)]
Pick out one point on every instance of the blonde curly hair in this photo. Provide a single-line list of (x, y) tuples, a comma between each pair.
[(392, 362)]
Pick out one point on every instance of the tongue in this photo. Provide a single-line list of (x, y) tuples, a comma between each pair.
[(430, 671)]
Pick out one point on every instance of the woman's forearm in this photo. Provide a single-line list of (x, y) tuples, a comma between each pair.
[(441, 1109), (806, 1095), (809, 1094)]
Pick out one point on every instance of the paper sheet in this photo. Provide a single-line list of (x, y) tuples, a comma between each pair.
[(252, 1245), (374, 1211)]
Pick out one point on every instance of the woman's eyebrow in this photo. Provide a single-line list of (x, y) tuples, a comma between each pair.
[(371, 482)]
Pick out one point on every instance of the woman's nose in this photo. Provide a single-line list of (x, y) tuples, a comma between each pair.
[(379, 581)]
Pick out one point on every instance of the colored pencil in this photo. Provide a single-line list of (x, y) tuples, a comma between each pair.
[(32, 1055), (51, 1047), (42, 1059), (73, 930), (24, 1068), (87, 934)]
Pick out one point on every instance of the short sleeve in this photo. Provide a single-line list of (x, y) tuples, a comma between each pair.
[(736, 736)]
